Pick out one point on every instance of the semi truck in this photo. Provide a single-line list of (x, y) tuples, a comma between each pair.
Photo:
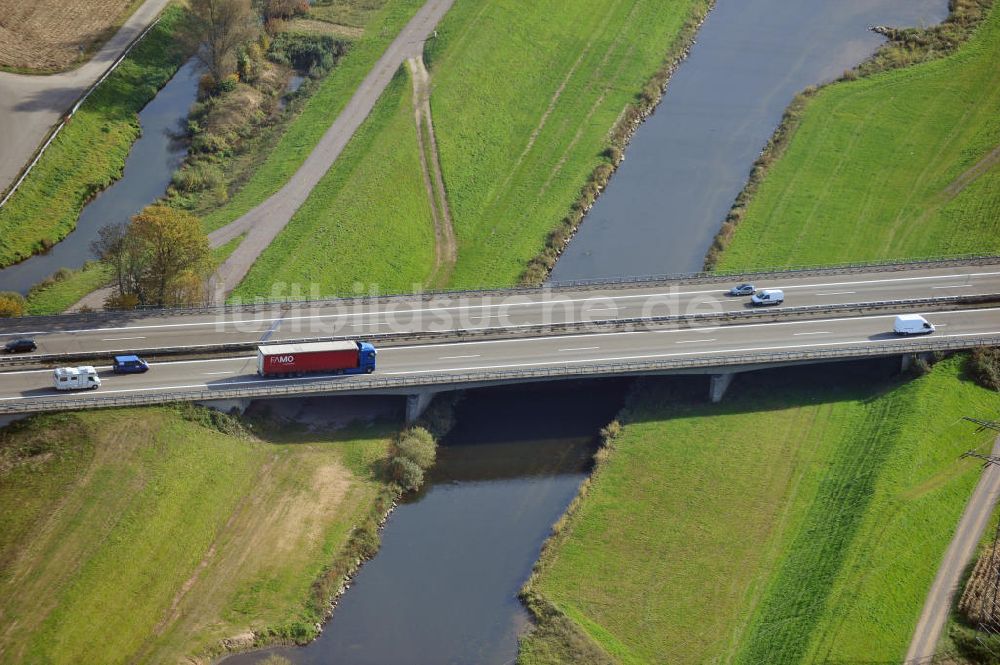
[(340, 357)]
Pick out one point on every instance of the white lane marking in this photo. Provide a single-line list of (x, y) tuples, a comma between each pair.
[(954, 286), (214, 373), (456, 357), (695, 341), (582, 348), (818, 332), (835, 293), (532, 303), (119, 339), (511, 366)]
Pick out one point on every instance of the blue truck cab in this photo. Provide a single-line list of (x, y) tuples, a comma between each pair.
[(366, 357), (129, 365)]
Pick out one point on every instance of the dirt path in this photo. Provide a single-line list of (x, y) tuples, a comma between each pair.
[(31, 105), (262, 224), (959, 553), (445, 247)]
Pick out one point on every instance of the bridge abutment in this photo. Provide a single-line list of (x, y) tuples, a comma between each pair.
[(718, 385)]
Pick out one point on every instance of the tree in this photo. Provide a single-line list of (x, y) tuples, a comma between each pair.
[(12, 304), (174, 247), (217, 29), (160, 258), (418, 445)]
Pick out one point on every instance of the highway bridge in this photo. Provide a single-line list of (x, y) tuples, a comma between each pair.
[(435, 342)]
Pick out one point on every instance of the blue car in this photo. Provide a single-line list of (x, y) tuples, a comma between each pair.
[(129, 365)]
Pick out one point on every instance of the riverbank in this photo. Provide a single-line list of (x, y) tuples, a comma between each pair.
[(886, 166), (163, 533), (90, 152), (800, 495)]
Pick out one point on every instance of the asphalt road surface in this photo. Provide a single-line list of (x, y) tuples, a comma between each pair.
[(523, 353), (137, 331)]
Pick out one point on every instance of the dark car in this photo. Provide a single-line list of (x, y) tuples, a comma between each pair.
[(20, 345), (129, 365), (742, 290)]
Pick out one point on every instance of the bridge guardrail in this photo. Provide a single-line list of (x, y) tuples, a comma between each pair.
[(579, 285), (374, 383), (520, 330)]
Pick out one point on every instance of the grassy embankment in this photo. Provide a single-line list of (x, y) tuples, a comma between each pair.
[(150, 535), (526, 89), (779, 526), (320, 110), (368, 220), (551, 80), (900, 164), (89, 154)]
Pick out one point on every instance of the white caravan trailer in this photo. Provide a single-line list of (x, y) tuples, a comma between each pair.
[(76, 378)]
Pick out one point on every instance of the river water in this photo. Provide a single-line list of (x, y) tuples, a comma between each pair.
[(686, 164), (150, 164), (443, 587)]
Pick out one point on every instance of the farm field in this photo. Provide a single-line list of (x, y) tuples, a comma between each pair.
[(549, 79), (149, 535), (46, 36), (368, 221), (902, 164), (89, 154), (801, 496)]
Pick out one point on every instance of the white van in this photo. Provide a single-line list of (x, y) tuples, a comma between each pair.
[(76, 378), (768, 297), (912, 324)]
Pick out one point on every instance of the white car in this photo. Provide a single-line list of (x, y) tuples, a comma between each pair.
[(912, 324), (768, 297)]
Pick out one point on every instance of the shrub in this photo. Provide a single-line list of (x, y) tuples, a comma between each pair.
[(306, 53), (417, 445), (227, 84), (986, 367), (12, 304), (196, 177), (406, 473)]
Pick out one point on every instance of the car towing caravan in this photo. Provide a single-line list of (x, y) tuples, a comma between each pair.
[(76, 378)]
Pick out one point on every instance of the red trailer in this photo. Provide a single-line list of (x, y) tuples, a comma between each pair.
[(342, 357)]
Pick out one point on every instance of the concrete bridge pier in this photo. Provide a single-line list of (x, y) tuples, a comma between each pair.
[(907, 359), (417, 403), (718, 385)]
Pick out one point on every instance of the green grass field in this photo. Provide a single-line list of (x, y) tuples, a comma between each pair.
[(525, 94), (902, 164), (89, 154), (367, 222), (778, 526), (319, 112), (145, 536)]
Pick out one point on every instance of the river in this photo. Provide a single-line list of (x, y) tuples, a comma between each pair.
[(686, 163), (443, 587), (148, 169)]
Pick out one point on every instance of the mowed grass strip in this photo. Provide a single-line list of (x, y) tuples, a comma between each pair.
[(368, 221), (319, 112), (524, 96), (902, 164), (145, 535), (798, 520), (89, 153)]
